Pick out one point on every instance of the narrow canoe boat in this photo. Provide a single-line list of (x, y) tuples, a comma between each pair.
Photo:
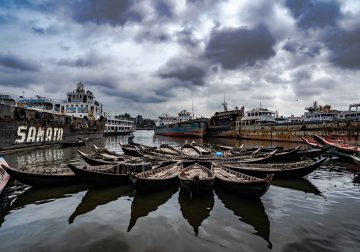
[(283, 170), (197, 179), (189, 150), (169, 149), (156, 179), (241, 184), (250, 159), (108, 155), (342, 147), (43, 176), (108, 175), (312, 144), (130, 149), (80, 142), (356, 159), (203, 150), (4, 176), (93, 159), (312, 153), (287, 155)]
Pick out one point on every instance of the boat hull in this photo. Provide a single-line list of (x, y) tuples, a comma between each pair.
[(193, 128), (36, 129), (246, 190), (152, 185), (280, 173), (100, 179), (42, 180)]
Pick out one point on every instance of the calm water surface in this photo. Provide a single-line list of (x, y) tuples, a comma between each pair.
[(316, 213)]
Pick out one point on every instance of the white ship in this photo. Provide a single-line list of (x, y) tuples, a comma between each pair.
[(117, 125)]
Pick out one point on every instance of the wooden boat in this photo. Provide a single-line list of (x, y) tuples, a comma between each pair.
[(197, 179), (228, 148), (43, 176), (356, 159), (108, 175), (249, 159), (283, 170), (80, 142), (156, 179), (241, 184), (130, 149), (312, 153), (342, 147), (4, 176), (169, 149), (312, 144), (93, 160), (287, 155), (189, 150), (107, 155), (203, 150)]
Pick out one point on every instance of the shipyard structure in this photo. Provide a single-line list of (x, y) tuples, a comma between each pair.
[(263, 124)]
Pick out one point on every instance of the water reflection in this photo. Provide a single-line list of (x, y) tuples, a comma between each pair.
[(301, 184), (40, 196), (95, 197), (195, 210), (250, 211), (143, 204)]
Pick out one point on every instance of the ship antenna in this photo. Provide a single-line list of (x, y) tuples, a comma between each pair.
[(224, 104), (192, 108)]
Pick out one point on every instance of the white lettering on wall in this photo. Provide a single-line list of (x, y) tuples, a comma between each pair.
[(33, 134), (40, 134), (60, 134), (21, 134), (48, 137), (31, 137)]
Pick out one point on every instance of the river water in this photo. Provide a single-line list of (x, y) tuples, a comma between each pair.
[(316, 213)]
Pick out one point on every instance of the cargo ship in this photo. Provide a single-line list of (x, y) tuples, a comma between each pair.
[(34, 122), (262, 124), (182, 126), (223, 123)]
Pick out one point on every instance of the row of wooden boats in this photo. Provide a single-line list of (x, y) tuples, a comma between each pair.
[(152, 169), (337, 148)]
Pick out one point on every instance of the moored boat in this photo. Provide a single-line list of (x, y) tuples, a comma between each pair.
[(80, 142), (202, 148), (108, 175), (342, 147), (130, 149), (282, 170), (43, 176), (166, 148), (4, 176), (197, 179), (156, 179), (241, 184), (189, 150), (93, 160)]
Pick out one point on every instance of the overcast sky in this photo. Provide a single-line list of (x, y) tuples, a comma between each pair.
[(150, 57)]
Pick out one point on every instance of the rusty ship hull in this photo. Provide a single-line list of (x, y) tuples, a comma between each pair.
[(292, 132), (22, 128)]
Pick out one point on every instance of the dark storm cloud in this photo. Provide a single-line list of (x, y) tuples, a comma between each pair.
[(344, 47), (300, 48), (16, 63), (87, 60), (186, 38), (183, 72), (234, 48), (313, 13), (164, 8), (38, 30), (111, 12)]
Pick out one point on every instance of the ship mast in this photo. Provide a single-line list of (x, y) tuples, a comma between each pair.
[(225, 105), (192, 108)]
